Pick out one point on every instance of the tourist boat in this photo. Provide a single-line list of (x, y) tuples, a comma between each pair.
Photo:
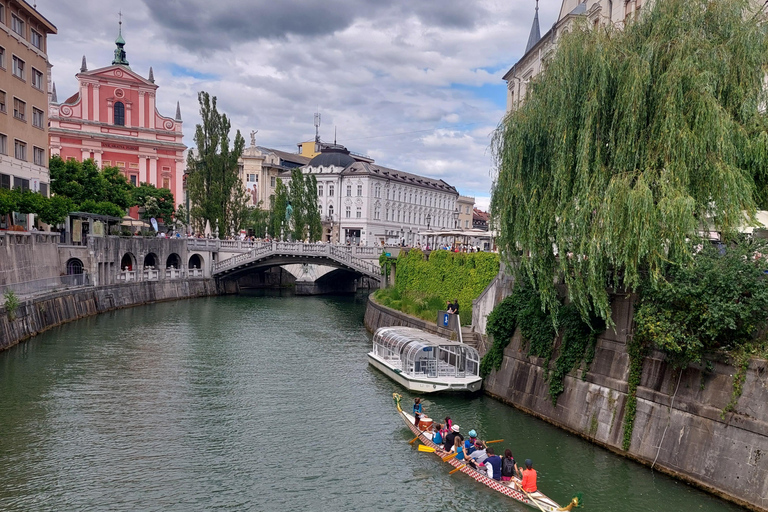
[(423, 362), (536, 500)]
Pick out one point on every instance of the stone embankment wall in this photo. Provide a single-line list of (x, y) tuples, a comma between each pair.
[(377, 316), (28, 256), (678, 428), (39, 314)]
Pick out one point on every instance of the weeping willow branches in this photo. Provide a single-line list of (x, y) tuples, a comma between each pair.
[(630, 143)]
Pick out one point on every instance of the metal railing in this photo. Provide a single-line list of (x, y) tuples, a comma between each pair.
[(47, 285)]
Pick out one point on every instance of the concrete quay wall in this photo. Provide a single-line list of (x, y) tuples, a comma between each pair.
[(38, 314), (377, 315), (678, 427), (678, 423), (29, 256)]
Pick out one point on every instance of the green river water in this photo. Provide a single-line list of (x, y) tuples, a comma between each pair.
[(262, 403)]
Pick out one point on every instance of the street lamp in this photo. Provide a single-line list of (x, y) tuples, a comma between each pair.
[(455, 219), (402, 237), (429, 219), (330, 237)]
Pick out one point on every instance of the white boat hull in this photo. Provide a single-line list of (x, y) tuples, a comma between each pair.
[(425, 384)]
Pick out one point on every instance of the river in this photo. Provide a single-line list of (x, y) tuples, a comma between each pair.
[(262, 402)]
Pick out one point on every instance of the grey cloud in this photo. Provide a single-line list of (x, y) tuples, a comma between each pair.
[(202, 26)]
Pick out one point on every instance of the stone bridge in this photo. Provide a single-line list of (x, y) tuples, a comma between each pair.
[(270, 254)]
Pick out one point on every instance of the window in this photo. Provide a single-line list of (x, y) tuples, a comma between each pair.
[(5, 181), (37, 79), (37, 117), (21, 150), (272, 181), (253, 178), (466, 223), (349, 212), (2, 57), (3, 144), (359, 213), (330, 210), (2, 102), (330, 190), (119, 113), (17, 25), (377, 214), (349, 190), (106, 163), (319, 191), (378, 191), (38, 155), (2, 13), (20, 183), (386, 214), (44, 189), (359, 190), (36, 39), (18, 67), (134, 180), (19, 109), (167, 183)]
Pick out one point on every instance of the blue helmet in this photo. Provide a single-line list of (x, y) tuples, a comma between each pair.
[(472, 433)]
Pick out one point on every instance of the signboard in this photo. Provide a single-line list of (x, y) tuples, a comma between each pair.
[(446, 319), (77, 231), (98, 228), (153, 221)]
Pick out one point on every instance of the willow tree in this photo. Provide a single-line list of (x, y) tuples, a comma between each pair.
[(632, 142)]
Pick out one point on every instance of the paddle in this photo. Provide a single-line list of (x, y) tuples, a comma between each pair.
[(530, 498), (424, 448)]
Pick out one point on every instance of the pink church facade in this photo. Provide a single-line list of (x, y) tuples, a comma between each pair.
[(113, 120)]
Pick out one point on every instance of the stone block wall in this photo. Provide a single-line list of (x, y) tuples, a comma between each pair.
[(28, 256), (678, 423), (39, 314)]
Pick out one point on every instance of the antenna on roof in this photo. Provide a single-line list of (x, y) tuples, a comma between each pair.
[(317, 126), (334, 135)]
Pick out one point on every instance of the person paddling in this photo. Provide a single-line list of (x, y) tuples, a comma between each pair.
[(417, 410), (509, 467), (529, 477)]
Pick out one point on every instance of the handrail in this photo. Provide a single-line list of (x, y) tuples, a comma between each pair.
[(458, 323)]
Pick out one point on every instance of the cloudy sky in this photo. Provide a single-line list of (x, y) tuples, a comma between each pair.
[(414, 84)]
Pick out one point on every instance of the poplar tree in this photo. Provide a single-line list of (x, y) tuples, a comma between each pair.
[(279, 203), (297, 195), (630, 144), (314, 222), (213, 177)]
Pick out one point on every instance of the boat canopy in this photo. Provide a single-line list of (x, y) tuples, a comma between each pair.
[(421, 353)]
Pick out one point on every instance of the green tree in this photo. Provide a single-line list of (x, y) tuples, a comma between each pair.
[(630, 143), (55, 209), (90, 189), (297, 193), (258, 220), (213, 169), (279, 201), (9, 199), (180, 217), (156, 202), (314, 222)]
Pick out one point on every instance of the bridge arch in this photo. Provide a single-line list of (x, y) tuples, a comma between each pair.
[(150, 260), (74, 267), (128, 262), (173, 261), (195, 261)]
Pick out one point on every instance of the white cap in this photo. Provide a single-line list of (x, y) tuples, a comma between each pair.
[(455, 428)]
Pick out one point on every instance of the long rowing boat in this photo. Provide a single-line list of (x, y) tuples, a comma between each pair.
[(536, 500)]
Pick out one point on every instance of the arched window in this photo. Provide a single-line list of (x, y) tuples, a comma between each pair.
[(74, 267), (119, 114), (330, 210)]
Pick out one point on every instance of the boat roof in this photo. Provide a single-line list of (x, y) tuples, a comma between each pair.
[(427, 338)]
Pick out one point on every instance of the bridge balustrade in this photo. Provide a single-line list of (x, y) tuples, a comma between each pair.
[(195, 272), (151, 275), (126, 276), (173, 273)]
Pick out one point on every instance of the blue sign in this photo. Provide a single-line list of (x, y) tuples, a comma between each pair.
[(427, 349), (388, 254), (445, 319)]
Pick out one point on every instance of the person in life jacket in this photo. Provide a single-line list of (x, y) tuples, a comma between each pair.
[(529, 477)]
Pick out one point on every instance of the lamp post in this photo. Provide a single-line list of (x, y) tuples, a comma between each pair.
[(429, 219), (455, 225), (330, 237), (402, 237)]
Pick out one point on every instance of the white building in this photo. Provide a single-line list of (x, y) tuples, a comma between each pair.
[(361, 202), (541, 48)]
